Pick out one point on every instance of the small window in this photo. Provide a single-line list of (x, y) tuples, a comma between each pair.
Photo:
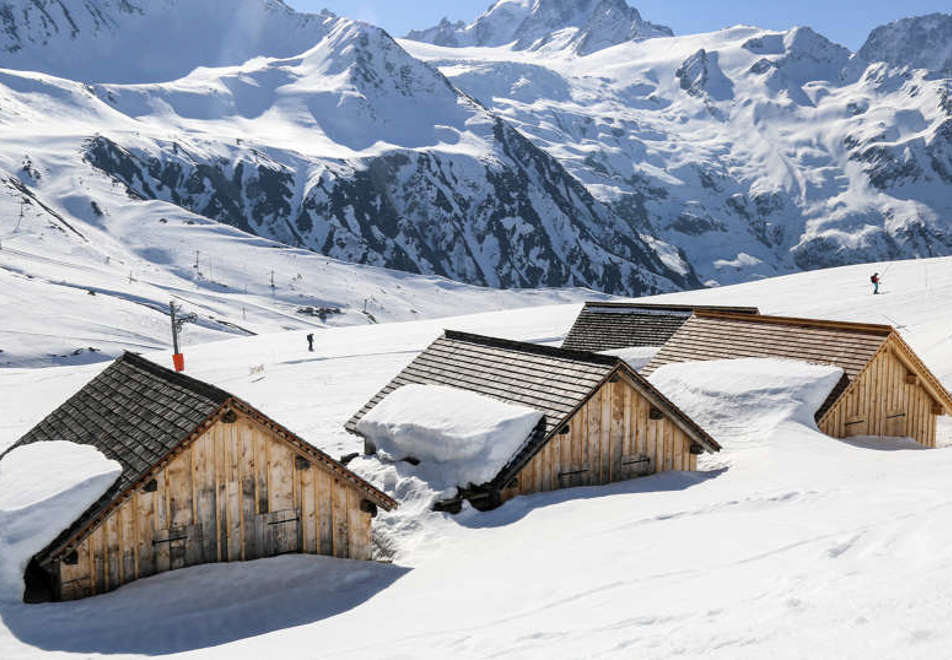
[(655, 413)]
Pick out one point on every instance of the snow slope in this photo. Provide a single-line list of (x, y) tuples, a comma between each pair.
[(567, 150), (140, 41), (755, 152), (786, 544), (340, 143)]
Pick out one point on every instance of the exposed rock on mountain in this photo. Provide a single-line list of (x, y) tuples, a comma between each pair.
[(576, 151), (923, 42), (584, 26)]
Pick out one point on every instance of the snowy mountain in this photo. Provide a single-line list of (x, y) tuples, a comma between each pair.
[(149, 40), (568, 149), (351, 148), (754, 152), (923, 42), (584, 26)]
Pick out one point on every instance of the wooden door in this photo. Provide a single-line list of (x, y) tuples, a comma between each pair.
[(896, 423), (278, 532), (635, 465), (856, 426)]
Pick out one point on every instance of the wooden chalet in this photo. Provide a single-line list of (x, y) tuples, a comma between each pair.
[(603, 422), (205, 478), (604, 326), (886, 390)]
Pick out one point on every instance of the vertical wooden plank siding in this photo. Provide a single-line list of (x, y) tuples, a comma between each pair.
[(606, 439), (883, 402), (235, 493)]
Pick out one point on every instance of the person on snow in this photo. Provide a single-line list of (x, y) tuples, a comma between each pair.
[(875, 280), (310, 342)]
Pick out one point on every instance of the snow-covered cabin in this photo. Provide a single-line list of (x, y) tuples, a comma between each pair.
[(609, 326), (205, 478), (598, 420), (886, 389)]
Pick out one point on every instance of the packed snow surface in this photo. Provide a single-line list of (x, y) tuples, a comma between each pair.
[(44, 488), (459, 437), (747, 397)]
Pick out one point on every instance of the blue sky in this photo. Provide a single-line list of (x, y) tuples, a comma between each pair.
[(845, 21)]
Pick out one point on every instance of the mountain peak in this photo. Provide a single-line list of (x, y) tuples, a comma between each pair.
[(584, 26), (921, 42)]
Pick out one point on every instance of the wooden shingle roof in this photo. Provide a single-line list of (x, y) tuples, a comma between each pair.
[(137, 413), (554, 381), (604, 326), (720, 336)]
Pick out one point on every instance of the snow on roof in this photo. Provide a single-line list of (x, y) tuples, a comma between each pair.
[(44, 487), (636, 356), (460, 437), (747, 397)]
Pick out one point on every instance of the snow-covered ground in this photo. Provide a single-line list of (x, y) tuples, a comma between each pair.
[(786, 544)]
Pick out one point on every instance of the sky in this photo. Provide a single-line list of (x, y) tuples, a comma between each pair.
[(847, 22)]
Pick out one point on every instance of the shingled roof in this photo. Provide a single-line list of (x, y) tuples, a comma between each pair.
[(712, 335), (554, 381), (605, 326), (137, 413)]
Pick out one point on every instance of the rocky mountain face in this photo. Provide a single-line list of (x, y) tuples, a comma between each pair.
[(581, 150), (755, 152), (583, 26), (924, 42), (356, 150)]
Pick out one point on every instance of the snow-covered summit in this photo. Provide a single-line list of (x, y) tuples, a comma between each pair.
[(134, 41), (922, 42), (584, 26)]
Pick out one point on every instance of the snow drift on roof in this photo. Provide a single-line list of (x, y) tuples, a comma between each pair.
[(460, 438), (44, 487), (747, 398)]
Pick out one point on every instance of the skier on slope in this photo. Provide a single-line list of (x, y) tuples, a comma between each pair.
[(310, 342), (875, 280)]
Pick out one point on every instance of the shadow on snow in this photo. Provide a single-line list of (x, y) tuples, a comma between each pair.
[(202, 606), (518, 507)]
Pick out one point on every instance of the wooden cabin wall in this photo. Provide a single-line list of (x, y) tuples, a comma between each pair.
[(611, 438), (883, 402), (238, 492)]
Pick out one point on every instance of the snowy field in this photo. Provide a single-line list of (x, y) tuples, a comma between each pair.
[(787, 544)]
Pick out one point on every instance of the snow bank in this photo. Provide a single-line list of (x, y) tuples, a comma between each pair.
[(750, 397), (636, 356), (459, 437), (44, 487)]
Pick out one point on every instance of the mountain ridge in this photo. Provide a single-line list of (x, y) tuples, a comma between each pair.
[(640, 165)]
